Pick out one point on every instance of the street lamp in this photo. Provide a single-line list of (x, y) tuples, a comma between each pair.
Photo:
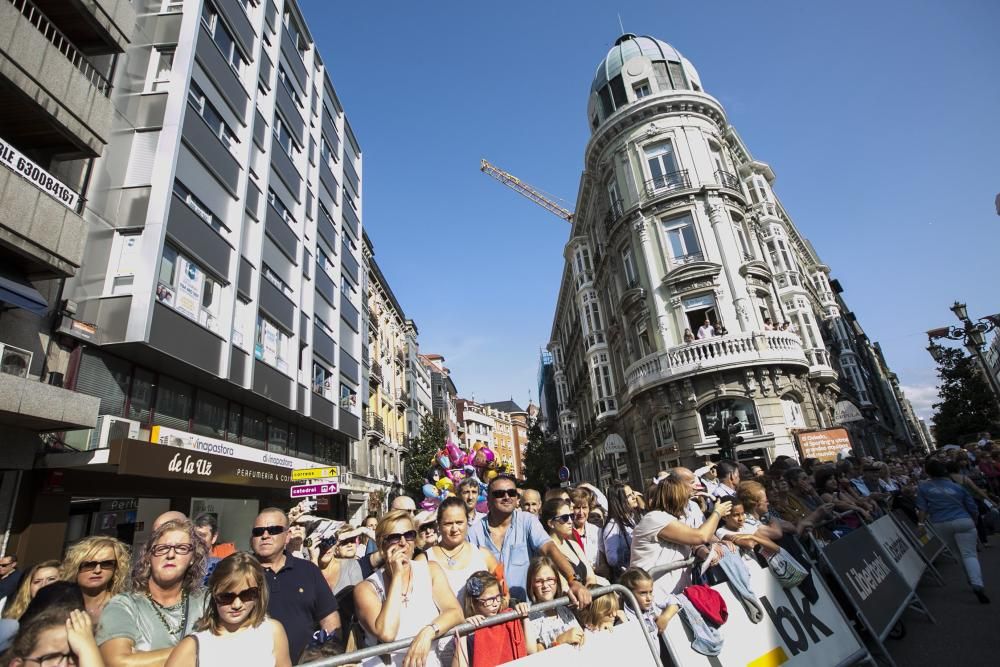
[(973, 336)]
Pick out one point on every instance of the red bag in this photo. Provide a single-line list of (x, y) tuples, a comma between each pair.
[(709, 603)]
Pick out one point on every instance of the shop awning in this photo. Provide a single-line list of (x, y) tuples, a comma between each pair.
[(18, 292)]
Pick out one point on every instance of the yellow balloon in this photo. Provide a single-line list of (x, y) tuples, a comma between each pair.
[(490, 474), (445, 483)]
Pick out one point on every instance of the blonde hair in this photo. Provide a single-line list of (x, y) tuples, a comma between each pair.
[(228, 573), (85, 549), (22, 598), (382, 529), (671, 495), (600, 609)]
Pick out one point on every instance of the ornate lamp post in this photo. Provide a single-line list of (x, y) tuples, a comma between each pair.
[(973, 336)]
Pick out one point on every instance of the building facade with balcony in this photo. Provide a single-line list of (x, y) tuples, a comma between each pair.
[(444, 393), (681, 269), (418, 383), (515, 421), (56, 65), (390, 339), (218, 309)]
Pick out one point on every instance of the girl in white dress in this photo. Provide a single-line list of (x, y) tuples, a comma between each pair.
[(235, 629)]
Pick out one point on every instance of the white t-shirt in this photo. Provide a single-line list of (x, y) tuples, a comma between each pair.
[(544, 629), (592, 543), (648, 551), (706, 331)]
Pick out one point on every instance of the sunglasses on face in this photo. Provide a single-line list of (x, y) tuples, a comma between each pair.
[(350, 541), (563, 518), (503, 493), (91, 565), (428, 528), (179, 549), (246, 595), (399, 538), (259, 531)]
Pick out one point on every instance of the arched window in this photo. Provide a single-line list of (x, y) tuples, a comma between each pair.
[(729, 411), (663, 432)]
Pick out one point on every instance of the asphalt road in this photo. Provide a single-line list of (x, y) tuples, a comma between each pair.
[(967, 633)]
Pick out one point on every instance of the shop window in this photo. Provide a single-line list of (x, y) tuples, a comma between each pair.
[(739, 413)]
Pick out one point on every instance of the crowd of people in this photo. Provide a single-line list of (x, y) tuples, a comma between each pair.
[(309, 587)]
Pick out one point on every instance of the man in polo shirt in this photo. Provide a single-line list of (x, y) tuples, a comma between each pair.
[(300, 597), (514, 537)]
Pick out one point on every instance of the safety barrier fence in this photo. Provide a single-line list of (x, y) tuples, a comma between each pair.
[(876, 567)]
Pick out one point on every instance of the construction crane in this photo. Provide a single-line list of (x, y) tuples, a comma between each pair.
[(522, 188)]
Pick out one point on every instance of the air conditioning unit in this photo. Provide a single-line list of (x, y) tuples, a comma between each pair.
[(109, 428)]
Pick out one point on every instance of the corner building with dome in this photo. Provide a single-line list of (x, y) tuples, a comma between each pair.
[(677, 223)]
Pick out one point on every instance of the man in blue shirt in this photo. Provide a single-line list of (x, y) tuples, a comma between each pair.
[(514, 537)]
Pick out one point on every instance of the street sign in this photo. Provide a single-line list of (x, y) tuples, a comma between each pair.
[(565, 485), (315, 473), (322, 489), (564, 474)]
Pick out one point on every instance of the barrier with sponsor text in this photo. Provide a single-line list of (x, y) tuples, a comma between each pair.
[(902, 552)]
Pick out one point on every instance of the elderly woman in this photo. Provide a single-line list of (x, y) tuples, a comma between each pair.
[(584, 501), (38, 577), (662, 537), (405, 597), (166, 599), (557, 518), (99, 566)]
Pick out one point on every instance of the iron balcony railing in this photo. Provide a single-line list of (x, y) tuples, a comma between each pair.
[(727, 180), (674, 180), (615, 211), (375, 373), (63, 44), (374, 424)]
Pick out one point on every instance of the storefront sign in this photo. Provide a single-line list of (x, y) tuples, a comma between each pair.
[(869, 578), (142, 459), (323, 489), (169, 436), (823, 445), (909, 563), (613, 444), (315, 473), (14, 160), (846, 412)]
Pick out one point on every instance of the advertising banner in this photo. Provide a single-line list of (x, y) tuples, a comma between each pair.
[(189, 280), (622, 645), (793, 630), (905, 557), (823, 445), (869, 578), (929, 543), (143, 459), (16, 161), (170, 436)]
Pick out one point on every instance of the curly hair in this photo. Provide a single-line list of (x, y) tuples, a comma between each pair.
[(21, 599), (85, 550), (195, 573)]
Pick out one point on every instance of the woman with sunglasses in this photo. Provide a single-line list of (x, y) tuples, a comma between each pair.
[(99, 566), (235, 628), (38, 577), (405, 597), (56, 637), (557, 518), (166, 599)]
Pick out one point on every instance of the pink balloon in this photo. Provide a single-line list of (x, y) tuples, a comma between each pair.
[(430, 504), (454, 453), (489, 454), (482, 507)]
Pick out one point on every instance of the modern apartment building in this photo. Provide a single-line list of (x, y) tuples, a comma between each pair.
[(57, 60), (218, 305), (390, 337), (418, 383), (690, 301)]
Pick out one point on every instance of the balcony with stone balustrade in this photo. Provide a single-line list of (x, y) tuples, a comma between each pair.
[(717, 353)]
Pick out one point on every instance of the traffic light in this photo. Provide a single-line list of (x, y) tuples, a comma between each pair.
[(729, 438)]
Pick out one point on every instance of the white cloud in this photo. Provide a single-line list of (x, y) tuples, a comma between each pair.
[(923, 398)]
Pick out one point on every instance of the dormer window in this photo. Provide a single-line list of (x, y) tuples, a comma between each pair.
[(641, 89)]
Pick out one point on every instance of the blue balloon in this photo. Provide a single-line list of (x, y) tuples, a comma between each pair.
[(429, 491), (444, 461)]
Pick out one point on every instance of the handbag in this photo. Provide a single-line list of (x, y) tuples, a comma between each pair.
[(788, 571)]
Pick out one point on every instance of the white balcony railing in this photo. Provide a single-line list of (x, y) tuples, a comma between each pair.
[(717, 352)]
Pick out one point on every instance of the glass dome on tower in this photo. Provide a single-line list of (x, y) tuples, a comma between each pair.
[(637, 67)]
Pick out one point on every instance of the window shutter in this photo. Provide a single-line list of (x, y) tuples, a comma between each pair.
[(105, 378), (677, 74), (140, 161)]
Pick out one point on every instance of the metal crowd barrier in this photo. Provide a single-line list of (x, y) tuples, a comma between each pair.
[(467, 628)]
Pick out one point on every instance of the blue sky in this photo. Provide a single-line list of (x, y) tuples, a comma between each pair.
[(881, 121)]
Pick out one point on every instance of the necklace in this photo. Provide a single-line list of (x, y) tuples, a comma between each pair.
[(163, 619), (405, 595), (452, 558)]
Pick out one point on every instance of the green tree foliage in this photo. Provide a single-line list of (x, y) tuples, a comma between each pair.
[(542, 461), (967, 405), (433, 436)]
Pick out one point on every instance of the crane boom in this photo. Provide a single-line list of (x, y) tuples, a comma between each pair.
[(522, 188)]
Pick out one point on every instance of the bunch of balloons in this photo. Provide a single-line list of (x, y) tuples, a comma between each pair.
[(452, 464)]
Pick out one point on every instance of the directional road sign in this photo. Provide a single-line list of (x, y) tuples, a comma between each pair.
[(323, 488), (315, 473), (564, 474)]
